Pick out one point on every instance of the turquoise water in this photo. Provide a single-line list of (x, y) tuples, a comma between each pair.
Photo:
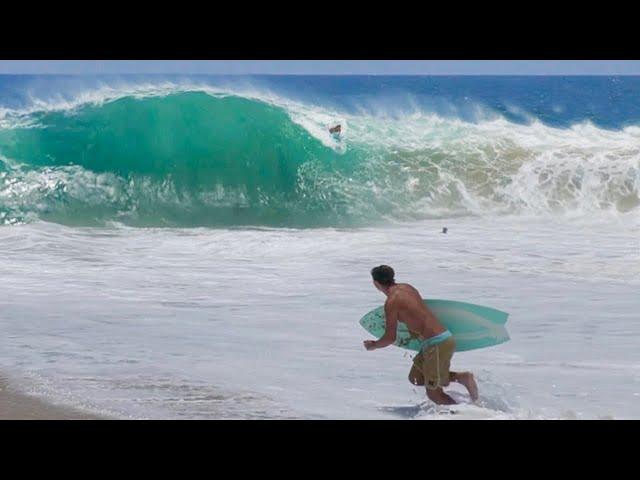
[(184, 159)]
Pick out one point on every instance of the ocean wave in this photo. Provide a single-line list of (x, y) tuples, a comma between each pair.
[(194, 155)]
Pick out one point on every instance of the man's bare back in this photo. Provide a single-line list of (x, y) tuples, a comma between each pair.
[(407, 303)]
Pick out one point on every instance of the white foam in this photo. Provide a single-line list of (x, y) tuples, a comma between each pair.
[(278, 345)]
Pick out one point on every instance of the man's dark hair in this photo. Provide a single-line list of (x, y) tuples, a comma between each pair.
[(384, 275)]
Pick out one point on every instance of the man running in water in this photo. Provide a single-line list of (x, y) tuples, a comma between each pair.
[(430, 366)]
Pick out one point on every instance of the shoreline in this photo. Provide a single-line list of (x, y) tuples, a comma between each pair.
[(19, 406)]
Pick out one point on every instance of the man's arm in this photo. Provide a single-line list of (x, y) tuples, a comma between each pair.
[(391, 326)]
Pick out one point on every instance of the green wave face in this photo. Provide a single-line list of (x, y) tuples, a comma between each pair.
[(186, 159)]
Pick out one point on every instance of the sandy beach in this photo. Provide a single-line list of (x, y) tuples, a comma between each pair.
[(17, 406)]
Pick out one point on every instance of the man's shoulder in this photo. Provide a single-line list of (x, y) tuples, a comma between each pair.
[(391, 301), (398, 296), (403, 294)]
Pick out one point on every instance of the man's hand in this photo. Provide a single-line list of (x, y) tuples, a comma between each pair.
[(370, 344)]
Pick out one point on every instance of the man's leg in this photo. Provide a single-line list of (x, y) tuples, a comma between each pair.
[(466, 379), (431, 377), (438, 396)]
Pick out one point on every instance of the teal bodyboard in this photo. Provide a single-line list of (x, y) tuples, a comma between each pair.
[(472, 326)]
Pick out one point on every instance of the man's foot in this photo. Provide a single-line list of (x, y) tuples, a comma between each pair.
[(438, 397), (469, 383)]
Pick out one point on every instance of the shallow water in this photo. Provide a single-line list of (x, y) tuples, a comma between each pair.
[(262, 323)]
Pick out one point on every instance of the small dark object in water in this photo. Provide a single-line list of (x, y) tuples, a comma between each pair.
[(444, 230), (336, 129)]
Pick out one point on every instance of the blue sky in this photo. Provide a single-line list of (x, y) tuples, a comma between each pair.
[(327, 67)]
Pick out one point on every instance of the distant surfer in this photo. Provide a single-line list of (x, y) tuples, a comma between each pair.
[(336, 131), (431, 365)]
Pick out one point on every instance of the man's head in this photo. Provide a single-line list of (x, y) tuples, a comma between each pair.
[(383, 277)]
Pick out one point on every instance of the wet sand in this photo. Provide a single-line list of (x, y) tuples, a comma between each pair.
[(18, 406)]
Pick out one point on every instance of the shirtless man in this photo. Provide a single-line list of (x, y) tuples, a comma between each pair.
[(430, 366)]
